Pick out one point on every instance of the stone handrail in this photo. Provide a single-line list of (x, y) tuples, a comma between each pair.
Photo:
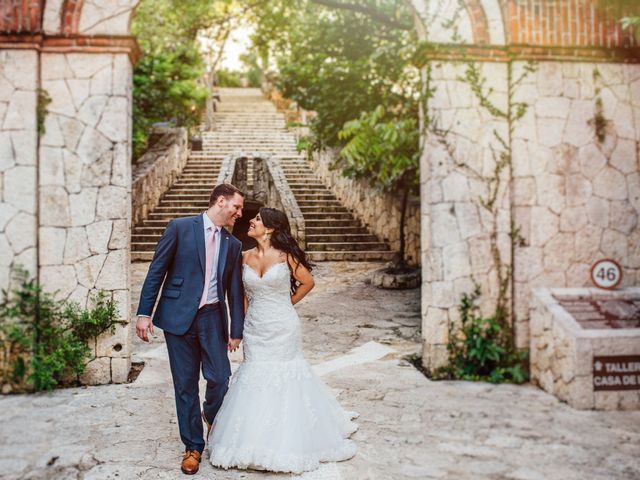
[(157, 170), (270, 186)]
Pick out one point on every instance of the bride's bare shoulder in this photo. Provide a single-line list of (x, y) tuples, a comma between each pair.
[(248, 254)]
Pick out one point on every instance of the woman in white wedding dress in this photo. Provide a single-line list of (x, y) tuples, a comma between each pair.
[(277, 415)]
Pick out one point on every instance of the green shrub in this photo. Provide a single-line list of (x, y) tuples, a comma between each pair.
[(44, 341), (482, 348)]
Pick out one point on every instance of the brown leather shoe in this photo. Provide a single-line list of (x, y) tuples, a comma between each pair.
[(190, 462), (208, 425)]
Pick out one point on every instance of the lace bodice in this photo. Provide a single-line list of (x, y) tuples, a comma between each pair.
[(273, 286), (271, 325)]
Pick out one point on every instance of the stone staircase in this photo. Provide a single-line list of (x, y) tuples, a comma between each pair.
[(246, 122)]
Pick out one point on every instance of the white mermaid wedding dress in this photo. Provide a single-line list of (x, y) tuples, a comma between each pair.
[(277, 415)]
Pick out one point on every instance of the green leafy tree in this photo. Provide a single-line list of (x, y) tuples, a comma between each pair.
[(167, 80), (340, 62), (384, 149)]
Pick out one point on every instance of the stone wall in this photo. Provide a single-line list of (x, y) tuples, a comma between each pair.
[(576, 196), (380, 212), (85, 192), (18, 163), (524, 202), (156, 171)]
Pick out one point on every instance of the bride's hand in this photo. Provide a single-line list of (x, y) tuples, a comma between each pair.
[(234, 343)]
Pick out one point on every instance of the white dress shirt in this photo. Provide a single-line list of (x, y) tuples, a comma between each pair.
[(211, 229)]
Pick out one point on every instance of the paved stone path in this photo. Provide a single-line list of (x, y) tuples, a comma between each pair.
[(356, 337)]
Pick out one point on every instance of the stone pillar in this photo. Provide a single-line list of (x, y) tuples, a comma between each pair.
[(85, 190), (65, 201), (18, 162)]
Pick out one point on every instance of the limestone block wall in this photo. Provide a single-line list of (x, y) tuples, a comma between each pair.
[(156, 171), (379, 211), (85, 191), (568, 194), (576, 177), (460, 237), (18, 160), (571, 194)]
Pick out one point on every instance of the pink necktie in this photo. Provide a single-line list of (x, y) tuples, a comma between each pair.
[(209, 249)]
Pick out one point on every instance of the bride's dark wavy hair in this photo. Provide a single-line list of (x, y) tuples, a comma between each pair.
[(282, 239)]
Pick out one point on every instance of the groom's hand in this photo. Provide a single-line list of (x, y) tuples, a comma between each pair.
[(144, 325), (234, 343)]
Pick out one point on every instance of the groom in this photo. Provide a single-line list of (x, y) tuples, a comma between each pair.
[(200, 263)]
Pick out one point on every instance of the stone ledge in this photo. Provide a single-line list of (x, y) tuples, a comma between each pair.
[(562, 351)]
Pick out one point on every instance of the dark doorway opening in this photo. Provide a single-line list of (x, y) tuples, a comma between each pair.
[(241, 227)]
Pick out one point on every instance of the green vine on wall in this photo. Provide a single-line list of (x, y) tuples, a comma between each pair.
[(43, 101), (44, 342), (599, 122), (483, 348)]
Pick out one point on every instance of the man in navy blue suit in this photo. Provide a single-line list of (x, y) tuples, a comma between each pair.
[(200, 264)]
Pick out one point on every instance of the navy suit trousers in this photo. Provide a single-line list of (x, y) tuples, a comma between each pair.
[(203, 344)]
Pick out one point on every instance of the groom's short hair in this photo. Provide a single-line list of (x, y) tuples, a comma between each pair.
[(226, 190)]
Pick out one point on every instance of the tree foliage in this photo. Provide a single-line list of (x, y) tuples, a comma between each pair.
[(166, 79), (339, 62), (383, 149)]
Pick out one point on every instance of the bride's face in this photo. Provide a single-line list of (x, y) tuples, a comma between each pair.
[(257, 228)]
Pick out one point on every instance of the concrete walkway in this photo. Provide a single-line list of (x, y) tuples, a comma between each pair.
[(356, 336)]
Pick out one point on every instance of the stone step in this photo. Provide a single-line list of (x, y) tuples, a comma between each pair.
[(196, 202), (144, 239), (198, 176), (140, 230), (143, 246), (181, 184), (318, 197), (143, 256), (178, 210), (327, 215), (331, 222), (326, 230), (351, 256), (319, 203), (364, 238), (190, 191), (187, 197), (166, 216), (342, 246), (335, 208)]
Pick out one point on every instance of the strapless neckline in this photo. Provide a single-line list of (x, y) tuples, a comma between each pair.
[(266, 271)]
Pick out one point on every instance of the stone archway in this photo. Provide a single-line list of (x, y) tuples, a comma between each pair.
[(554, 205), (65, 201)]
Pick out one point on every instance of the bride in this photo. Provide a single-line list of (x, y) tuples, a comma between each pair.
[(277, 415)]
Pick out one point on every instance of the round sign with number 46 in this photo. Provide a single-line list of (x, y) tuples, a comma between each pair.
[(606, 273)]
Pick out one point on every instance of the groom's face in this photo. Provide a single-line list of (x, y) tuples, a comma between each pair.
[(231, 209)]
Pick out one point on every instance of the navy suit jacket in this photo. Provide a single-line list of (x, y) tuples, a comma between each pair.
[(179, 261)]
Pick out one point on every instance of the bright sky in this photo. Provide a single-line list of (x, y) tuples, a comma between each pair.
[(237, 44)]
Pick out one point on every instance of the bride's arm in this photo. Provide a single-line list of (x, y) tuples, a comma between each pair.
[(302, 275), (246, 300)]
